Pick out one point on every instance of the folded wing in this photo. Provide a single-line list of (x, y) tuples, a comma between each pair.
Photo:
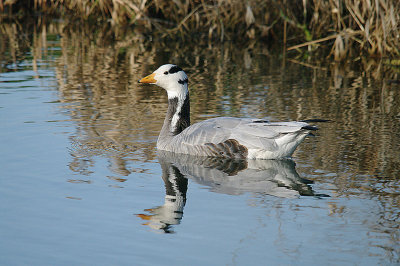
[(252, 133)]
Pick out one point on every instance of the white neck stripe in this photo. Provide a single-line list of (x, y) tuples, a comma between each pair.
[(176, 116)]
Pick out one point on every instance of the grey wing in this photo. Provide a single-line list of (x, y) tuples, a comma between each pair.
[(212, 137), (269, 135), (253, 133), (214, 130)]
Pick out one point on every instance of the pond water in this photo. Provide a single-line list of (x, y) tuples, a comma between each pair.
[(81, 182)]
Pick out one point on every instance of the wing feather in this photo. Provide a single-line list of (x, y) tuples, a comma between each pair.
[(252, 133)]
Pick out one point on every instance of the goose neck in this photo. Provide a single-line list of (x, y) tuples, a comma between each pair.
[(177, 118)]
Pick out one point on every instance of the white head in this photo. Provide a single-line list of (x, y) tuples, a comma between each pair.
[(171, 78)]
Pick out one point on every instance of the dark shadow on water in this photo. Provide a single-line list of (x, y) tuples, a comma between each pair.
[(277, 178)]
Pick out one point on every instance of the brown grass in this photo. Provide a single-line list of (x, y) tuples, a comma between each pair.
[(344, 26)]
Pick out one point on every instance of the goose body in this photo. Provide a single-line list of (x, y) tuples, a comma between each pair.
[(223, 136)]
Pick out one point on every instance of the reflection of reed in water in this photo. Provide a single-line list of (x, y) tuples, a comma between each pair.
[(97, 83), (227, 176), (114, 118)]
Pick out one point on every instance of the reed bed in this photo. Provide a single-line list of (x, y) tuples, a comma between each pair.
[(346, 27)]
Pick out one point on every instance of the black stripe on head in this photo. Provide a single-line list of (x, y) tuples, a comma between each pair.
[(174, 69), (183, 81)]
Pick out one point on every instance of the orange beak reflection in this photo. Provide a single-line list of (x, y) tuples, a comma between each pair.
[(144, 216), (149, 79)]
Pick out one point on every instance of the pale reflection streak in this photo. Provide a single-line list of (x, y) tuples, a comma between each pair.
[(220, 175)]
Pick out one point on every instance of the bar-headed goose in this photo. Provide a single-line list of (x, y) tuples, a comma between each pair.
[(222, 136)]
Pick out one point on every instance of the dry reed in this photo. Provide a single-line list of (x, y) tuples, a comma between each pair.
[(346, 26)]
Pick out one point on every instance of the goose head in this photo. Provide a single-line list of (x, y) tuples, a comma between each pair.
[(171, 78)]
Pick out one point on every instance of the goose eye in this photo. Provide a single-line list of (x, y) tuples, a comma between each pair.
[(166, 73)]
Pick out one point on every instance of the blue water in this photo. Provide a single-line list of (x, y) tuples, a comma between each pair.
[(64, 200)]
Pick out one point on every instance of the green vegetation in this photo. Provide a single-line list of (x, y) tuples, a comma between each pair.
[(344, 26)]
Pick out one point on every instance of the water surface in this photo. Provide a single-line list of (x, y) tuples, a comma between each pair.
[(82, 183)]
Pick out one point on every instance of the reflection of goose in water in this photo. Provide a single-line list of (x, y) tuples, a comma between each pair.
[(228, 176), (171, 212)]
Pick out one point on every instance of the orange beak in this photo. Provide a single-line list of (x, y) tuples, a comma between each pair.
[(149, 79)]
